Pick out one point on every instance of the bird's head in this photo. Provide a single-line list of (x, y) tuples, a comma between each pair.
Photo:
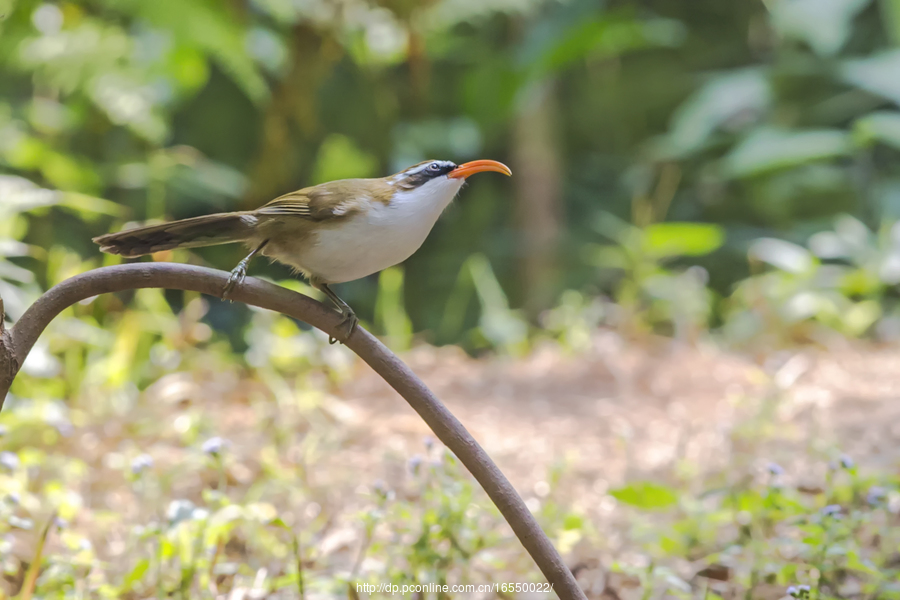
[(443, 173), (432, 184)]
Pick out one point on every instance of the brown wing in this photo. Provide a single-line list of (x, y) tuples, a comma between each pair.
[(333, 200)]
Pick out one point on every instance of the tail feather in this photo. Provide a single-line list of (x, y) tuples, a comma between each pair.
[(208, 230)]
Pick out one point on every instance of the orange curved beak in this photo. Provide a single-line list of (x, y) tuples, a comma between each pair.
[(477, 166)]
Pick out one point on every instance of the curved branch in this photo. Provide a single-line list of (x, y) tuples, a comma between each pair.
[(16, 343)]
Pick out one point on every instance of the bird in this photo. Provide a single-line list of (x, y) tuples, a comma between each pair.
[(330, 233)]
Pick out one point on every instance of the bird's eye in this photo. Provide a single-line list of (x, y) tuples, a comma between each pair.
[(435, 167)]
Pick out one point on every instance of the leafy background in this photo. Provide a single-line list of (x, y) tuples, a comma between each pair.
[(763, 119), (697, 169)]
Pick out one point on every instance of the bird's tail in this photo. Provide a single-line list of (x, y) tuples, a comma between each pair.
[(209, 230)]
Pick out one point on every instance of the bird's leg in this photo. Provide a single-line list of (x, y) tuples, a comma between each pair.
[(350, 319), (239, 273)]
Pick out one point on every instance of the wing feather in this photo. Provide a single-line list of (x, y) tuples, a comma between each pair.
[(319, 203), (294, 203), (332, 201)]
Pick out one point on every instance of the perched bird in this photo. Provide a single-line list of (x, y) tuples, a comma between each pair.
[(331, 233)]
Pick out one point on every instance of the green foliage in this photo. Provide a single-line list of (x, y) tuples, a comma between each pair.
[(777, 536), (672, 240), (339, 158), (222, 538), (652, 294), (766, 150), (389, 312), (646, 495), (171, 109), (825, 25), (499, 326), (844, 281)]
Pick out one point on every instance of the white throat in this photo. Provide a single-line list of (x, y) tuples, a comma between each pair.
[(382, 236), (430, 198)]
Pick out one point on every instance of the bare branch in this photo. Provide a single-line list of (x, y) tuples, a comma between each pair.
[(16, 343)]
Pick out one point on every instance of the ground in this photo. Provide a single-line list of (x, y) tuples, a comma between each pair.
[(626, 411), (565, 427), (623, 410)]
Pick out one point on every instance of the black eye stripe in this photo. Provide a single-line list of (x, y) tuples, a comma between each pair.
[(439, 168), (425, 172)]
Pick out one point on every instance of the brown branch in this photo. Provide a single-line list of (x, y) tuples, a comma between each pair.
[(9, 364), (16, 343)]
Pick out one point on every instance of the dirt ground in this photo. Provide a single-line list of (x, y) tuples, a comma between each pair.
[(625, 411), (622, 411)]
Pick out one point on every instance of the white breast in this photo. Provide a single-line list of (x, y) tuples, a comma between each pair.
[(380, 237)]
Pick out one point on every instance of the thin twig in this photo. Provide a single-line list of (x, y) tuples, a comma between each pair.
[(34, 569), (445, 426), (299, 558)]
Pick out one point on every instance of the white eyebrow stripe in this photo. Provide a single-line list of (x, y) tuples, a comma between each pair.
[(410, 172), (419, 170)]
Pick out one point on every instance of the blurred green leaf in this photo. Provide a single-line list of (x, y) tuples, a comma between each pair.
[(390, 314), (646, 495), (727, 102), (823, 24), (665, 240), (340, 158), (128, 101), (267, 48), (614, 228), (828, 244), (13, 272), (136, 574), (891, 11), (435, 138), (14, 248), (90, 206), (505, 328), (606, 36), (886, 197), (19, 195), (850, 239), (768, 149), (203, 178), (881, 126), (207, 25), (69, 59), (782, 255), (876, 74), (865, 565), (610, 257), (448, 13), (573, 521), (6, 7), (284, 11), (860, 317)]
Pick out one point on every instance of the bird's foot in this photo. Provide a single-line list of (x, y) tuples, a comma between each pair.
[(350, 321), (238, 274)]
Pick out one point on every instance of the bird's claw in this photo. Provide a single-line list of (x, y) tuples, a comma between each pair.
[(237, 278), (350, 320)]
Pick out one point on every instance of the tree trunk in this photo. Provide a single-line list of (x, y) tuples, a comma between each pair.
[(538, 203)]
